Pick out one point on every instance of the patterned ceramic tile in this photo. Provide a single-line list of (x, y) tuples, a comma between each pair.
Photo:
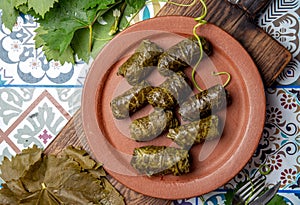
[(186, 201), (22, 64), (13, 103), (279, 148), (280, 143), (43, 116), (41, 125), (68, 98), (282, 21)]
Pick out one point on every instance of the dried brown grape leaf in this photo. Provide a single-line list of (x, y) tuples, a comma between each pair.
[(70, 178), (80, 156), (7, 197), (52, 171), (17, 187), (20, 164), (112, 196), (85, 161)]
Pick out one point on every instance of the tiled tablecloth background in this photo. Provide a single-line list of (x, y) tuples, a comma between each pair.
[(37, 98)]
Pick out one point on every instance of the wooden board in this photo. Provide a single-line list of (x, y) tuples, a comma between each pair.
[(269, 56)]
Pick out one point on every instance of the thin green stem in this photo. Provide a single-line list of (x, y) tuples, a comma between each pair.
[(264, 169), (132, 17), (117, 13), (184, 5), (223, 73), (200, 21), (103, 39), (251, 193), (90, 37)]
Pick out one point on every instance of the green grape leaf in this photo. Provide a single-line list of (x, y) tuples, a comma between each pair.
[(18, 3), (69, 28), (136, 4), (277, 200), (101, 33), (41, 7), (81, 44), (66, 56), (228, 197), (62, 22), (126, 17), (9, 13), (103, 4)]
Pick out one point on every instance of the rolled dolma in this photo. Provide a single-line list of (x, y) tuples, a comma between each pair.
[(205, 103), (152, 125), (130, 101), (160, 160), (140, 64), (171, 92), (181, 55), (195, 132)]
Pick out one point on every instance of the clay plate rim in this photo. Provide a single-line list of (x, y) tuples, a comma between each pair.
[(252, 99)]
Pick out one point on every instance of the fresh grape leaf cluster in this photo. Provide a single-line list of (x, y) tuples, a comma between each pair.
[(33, 177), (71, 29)]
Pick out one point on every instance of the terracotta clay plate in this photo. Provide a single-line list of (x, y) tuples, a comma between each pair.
[(213, 162)]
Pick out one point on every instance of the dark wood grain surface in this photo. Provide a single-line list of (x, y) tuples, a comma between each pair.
[(253, 7), (269, 56)]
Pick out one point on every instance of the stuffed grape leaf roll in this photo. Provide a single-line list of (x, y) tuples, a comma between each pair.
[(183, 54), (160, 160), (171, 92), (205, 103), (140, 64), (152, 125), (195, 132), (130, 101)]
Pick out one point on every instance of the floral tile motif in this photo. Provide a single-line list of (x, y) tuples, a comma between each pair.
[(13, 102), (282, 21), (186, 201), (68, 98), (279, 148), (6, 150), (213, 198), (35, 115), (27, 65), (281, 137), (40, 126)]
